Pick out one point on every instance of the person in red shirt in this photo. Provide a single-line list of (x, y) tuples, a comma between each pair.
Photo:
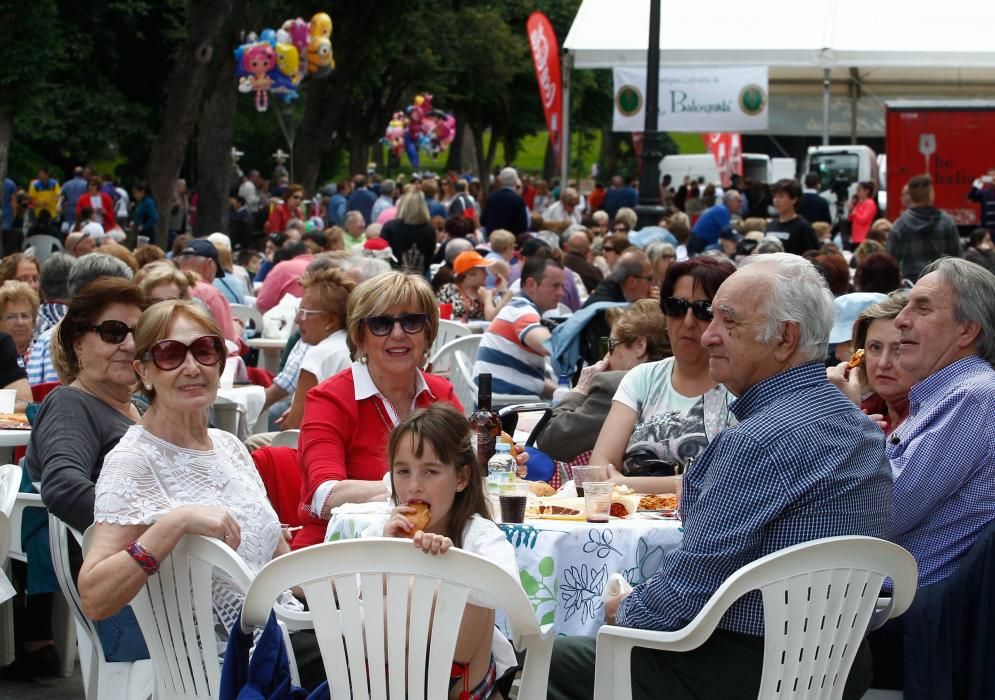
[(289, 209), (100, 202), (862, 213), (391, 321)]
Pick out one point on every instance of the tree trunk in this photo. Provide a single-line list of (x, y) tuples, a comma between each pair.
[(469, 158), (484, 171), (609, 154), (184, 89), (358, 150), (491, 153), (549, 165), (6, 134), (216, 131), (454, 160), (510, 148)]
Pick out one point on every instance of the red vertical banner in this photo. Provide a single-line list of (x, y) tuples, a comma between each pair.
[(728, 154), (546, 57)]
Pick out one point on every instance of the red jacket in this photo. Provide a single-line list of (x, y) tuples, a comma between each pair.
[(862, 216), (109, 221), (342, 438), (280, 216)]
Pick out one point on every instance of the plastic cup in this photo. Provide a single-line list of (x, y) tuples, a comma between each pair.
[(513, 498), (141, 240), (584, 474), (598, 500), (7, 399), (446, 311)]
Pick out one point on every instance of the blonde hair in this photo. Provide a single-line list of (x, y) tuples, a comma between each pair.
[(155, 323), (116, 250), (380, 294), (225, 261), (334, 288), (151, 276), (411, 209), (148, 254), (12, 290), (753, 223), (502, 240), (643, 319), (627, 216)]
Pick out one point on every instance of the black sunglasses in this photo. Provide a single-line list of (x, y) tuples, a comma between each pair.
[(170, 354), (383, 325), (614, 343), (676, 307), (113, 332)]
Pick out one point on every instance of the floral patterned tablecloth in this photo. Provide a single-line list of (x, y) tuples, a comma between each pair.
[(564, 565)]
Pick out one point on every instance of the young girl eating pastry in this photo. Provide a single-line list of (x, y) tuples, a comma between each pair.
[(436, 482)]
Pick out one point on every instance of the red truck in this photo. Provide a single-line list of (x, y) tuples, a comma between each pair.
[(952, 140)]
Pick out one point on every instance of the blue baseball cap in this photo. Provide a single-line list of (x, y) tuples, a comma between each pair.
[(848, 308)]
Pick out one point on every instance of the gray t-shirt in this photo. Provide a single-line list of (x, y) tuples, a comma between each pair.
[(70, 437)]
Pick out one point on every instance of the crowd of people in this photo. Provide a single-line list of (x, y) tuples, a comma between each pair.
[(706, 353)]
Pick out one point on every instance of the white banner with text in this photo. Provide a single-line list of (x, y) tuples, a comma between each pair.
[(694, 99)]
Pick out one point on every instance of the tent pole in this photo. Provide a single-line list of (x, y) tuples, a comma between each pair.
[(825, 105), (649, 210), (567, 73)]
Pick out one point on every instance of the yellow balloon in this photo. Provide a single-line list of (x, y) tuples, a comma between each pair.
[(288, 60), (321, 25)]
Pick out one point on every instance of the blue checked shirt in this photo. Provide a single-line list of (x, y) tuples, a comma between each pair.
[(943, 461), (803, 463), (287, 378)]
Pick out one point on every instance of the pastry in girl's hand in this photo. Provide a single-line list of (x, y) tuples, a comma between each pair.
[(856, 360), (420, 518)]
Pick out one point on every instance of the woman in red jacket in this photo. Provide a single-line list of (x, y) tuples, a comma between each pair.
[(391, 321), (289, 209), (100, 202), (862, 213)]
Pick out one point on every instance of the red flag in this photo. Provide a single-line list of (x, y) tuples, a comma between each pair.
[(546, 57), (728, 154)]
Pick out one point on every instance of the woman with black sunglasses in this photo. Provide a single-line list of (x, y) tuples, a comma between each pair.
[(392, 321), (76, 427), (665, 413)]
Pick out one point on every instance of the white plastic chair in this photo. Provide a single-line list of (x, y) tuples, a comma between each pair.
[(102, 679), (40, 247), (10, 481), (415, 594), (441, 360), (287, 438), (818, 599), (466, 389), (248, 314), (175, 613), (449, 331)]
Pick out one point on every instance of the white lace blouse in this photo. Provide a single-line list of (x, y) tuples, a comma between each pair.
[(145, 477)]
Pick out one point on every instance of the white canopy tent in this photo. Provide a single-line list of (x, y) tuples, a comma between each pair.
[(882, 48)]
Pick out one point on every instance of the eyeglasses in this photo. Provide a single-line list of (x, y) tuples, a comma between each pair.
[(305, 314), (614, 343), (648, 278), (676, 307), (170, 354), (295, 196), (383, 325), (113, 332), (619, 229)]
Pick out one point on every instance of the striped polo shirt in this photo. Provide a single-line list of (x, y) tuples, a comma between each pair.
[(514, 367)]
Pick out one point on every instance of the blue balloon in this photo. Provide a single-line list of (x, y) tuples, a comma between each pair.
[(269, 36)]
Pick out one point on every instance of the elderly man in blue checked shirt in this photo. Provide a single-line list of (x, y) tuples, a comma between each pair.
[(803, 463)]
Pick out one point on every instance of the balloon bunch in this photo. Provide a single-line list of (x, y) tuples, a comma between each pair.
[(420, 128), (277, 61)]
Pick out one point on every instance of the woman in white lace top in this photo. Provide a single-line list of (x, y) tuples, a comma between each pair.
[(172, 475)]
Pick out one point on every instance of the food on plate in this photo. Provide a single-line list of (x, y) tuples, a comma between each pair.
[(421, 517), (858, 357), (546, 509), (623, 490), (663, 501), (618, 510), (19, 418), (556, 508), (624, 505), (541, 488)]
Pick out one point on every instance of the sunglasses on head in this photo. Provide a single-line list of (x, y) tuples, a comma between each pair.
[(675, 307), (113, 332), (170, 354), (383, 325)]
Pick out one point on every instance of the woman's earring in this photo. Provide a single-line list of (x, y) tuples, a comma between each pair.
[(148, 387), (364, 359)]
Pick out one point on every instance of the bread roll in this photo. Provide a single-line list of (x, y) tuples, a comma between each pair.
[(541, 488), (421, 517)]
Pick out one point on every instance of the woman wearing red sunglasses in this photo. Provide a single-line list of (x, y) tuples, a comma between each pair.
[(173, 475)]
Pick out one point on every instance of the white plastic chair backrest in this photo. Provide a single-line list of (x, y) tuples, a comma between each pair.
[(4, 542), (463, 384), (10, 482), (415, 594), (175, 613), (246, 314), (449, 330), (287, 438), (40, 247), (441, 359), (818, 598)]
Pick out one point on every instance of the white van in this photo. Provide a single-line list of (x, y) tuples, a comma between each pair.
[(757, 167)]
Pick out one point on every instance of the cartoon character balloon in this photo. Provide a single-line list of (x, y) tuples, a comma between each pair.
[(419, 128), (279, 60)]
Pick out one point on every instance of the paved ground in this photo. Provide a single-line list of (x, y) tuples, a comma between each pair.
[(52, 689)]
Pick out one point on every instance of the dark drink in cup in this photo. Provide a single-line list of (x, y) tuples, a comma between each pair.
[(512, 509), (580, 491)]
